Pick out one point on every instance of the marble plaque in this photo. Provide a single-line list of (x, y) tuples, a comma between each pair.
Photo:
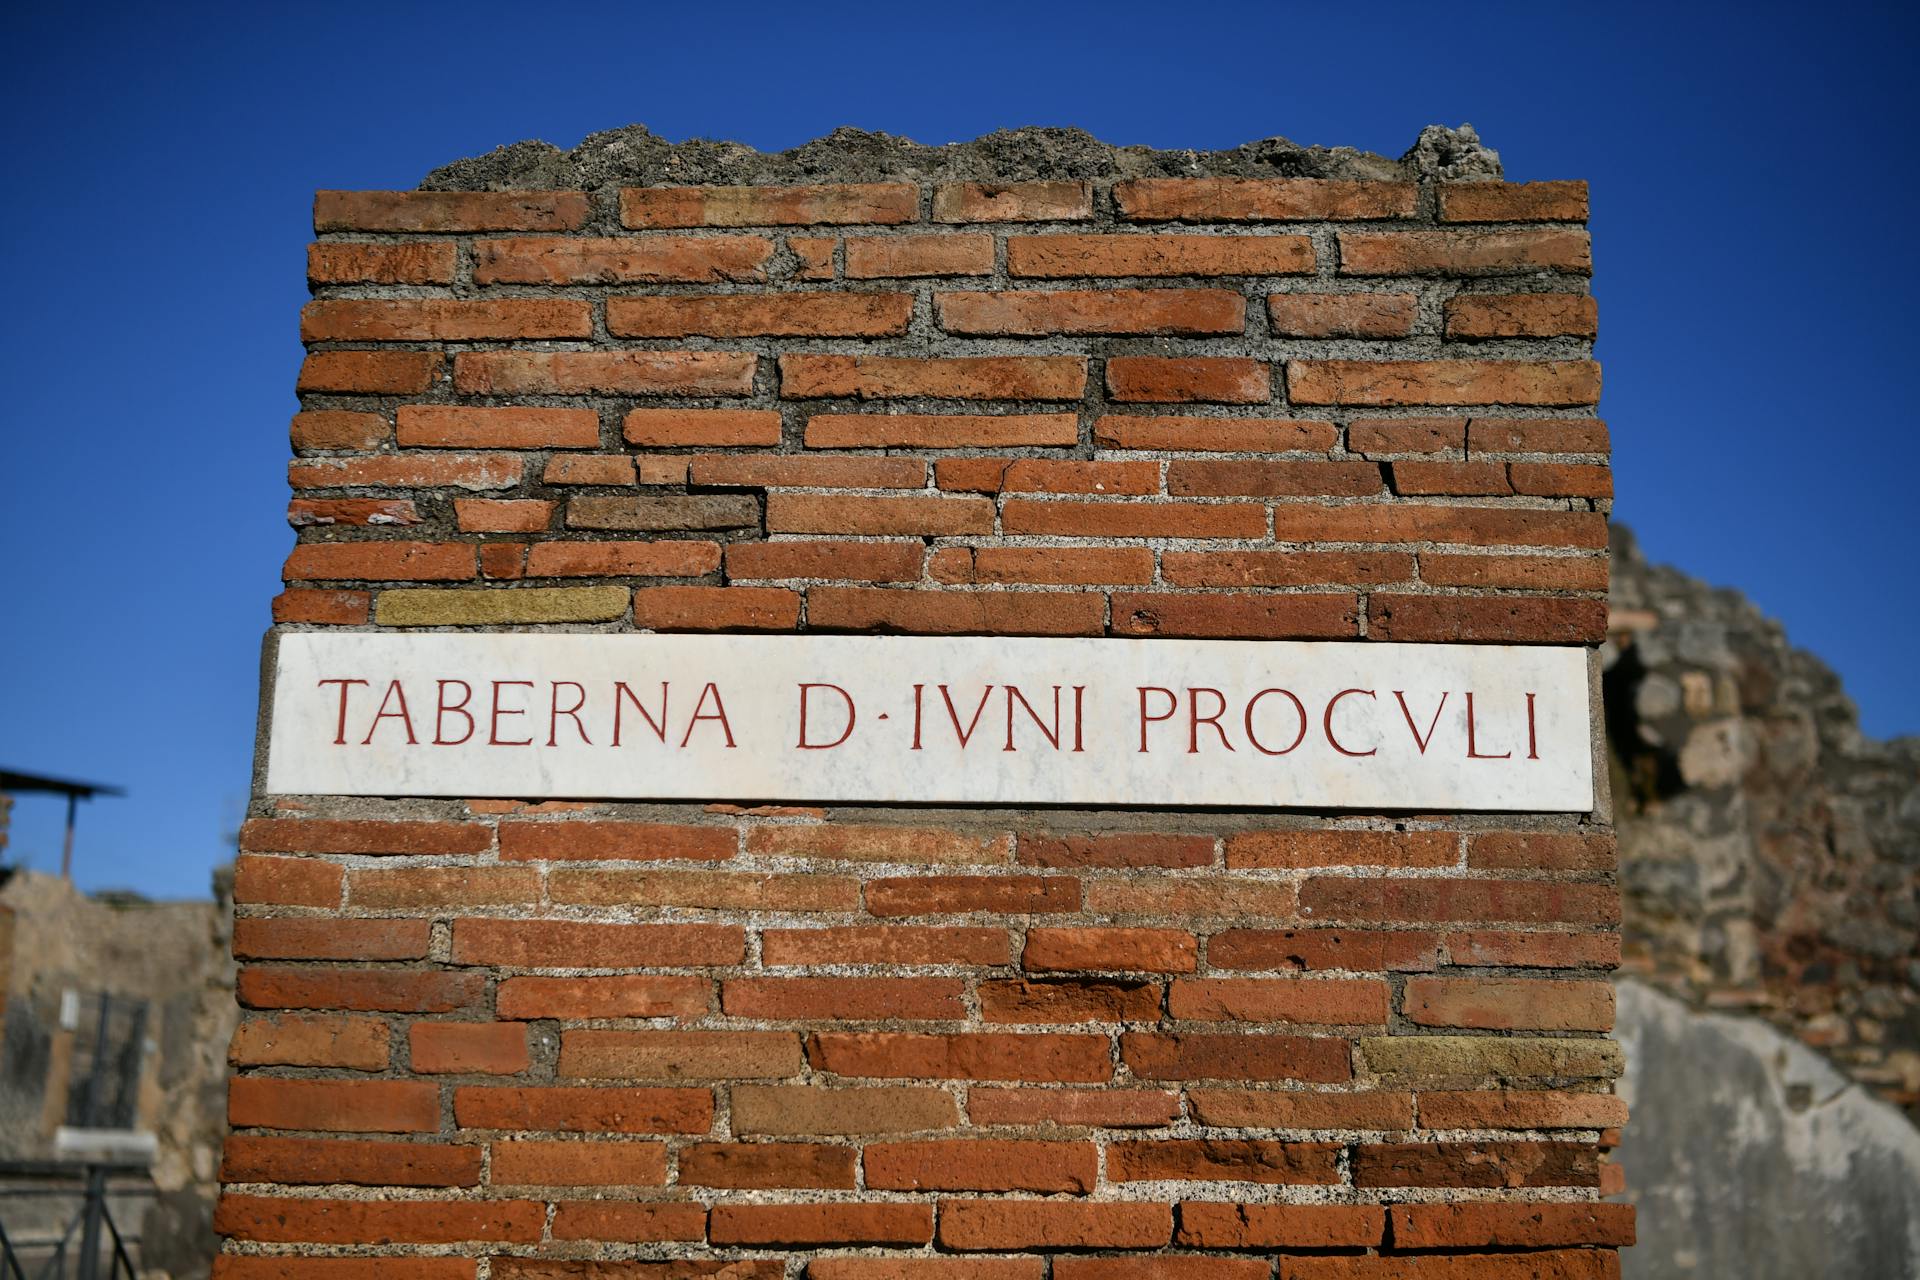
[(912, 719)]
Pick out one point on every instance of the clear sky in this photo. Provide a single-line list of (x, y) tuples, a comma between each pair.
[(1753, 186)]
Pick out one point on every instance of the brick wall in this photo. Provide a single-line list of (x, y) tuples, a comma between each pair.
[(977, 1044)]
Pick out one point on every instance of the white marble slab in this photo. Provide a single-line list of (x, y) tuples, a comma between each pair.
[(977, 720)]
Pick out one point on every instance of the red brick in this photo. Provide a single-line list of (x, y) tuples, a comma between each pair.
[(763, 472), (1462, 253), (646, 207), (308, 512), (443, 886), (1218, 435), (1416, 522), (1104, 1108), (1523, 315), (298, 1040), (873, 842), (916, 1268), (679, 1055), (621, 260), (1443, 382), (1325, 1001), (606, 840), (761, 1165), (813, 1109), (1033, 201), (291, 1219), (1216, 1225), (1260, 199), (1509, 1004), (1271, 617), (741, 891), (982, 1165), (371, 373), (585, 1109), (1541, 851), (1053, 1224), (322, 1161), (1056, 566), (674, 559), (813, 256), (892, 257), (1537, 435), (1518, 1109), (286, 938), (1064, 256), (721, 428), (1208, 1056), (1111, 949), (1541, 573), (1562, 479), (336, 263), (899, 945), (449, 210), (236, 1266), (1037, 312), (940, 430), (469, 1048), (1103, 519), (950, 895), (1312, 949), (1535, 950), (1180, 379), (842, 999), (1450, 478), (854, 561), (1284, 568), (341, 1106), (1513, 201), (1573, 1264), (337, 429), (1374, 437), (408, 471), (951, 378), (367, 990), (1122, 849), (566, 944), (716, 609), (955, 612), (1342, 315), (490, 515), (837, 1223), (980, 1055), (1532, 901), (1506, 1165), (1301, 1109), (1193, 897), (643, 373), (532, 1162), (924, 517), (519, 427), (1224, 1160), (1209, 479), (1046, 475), (1026, 1003), (1330, 848), (286, 882), (741, 315), (628, 1222), (1489, 619), (381, 561), (625, 996), (358, 836), (1510, 1226), (444, 319)]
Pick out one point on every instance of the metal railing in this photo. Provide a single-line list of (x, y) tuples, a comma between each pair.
[(101, 1251)]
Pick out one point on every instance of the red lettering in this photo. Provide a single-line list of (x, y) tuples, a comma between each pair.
[(1195, 719), (954, 715), (846, 733), (1533, 732), (1079, 717), (918, 689), (555, 711), (493, 720), (1173, 705), (442, 709), (1298, 707), (394, 692), (718, 713), (1415, 729), (659, 726), (1052, 736), (1473, 752), (340, 733), (1326, 723)]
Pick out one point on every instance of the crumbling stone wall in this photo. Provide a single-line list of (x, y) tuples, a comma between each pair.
[(1034, 385), (1770, 851)]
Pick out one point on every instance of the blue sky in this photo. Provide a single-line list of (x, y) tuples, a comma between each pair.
[(1752, 184)]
